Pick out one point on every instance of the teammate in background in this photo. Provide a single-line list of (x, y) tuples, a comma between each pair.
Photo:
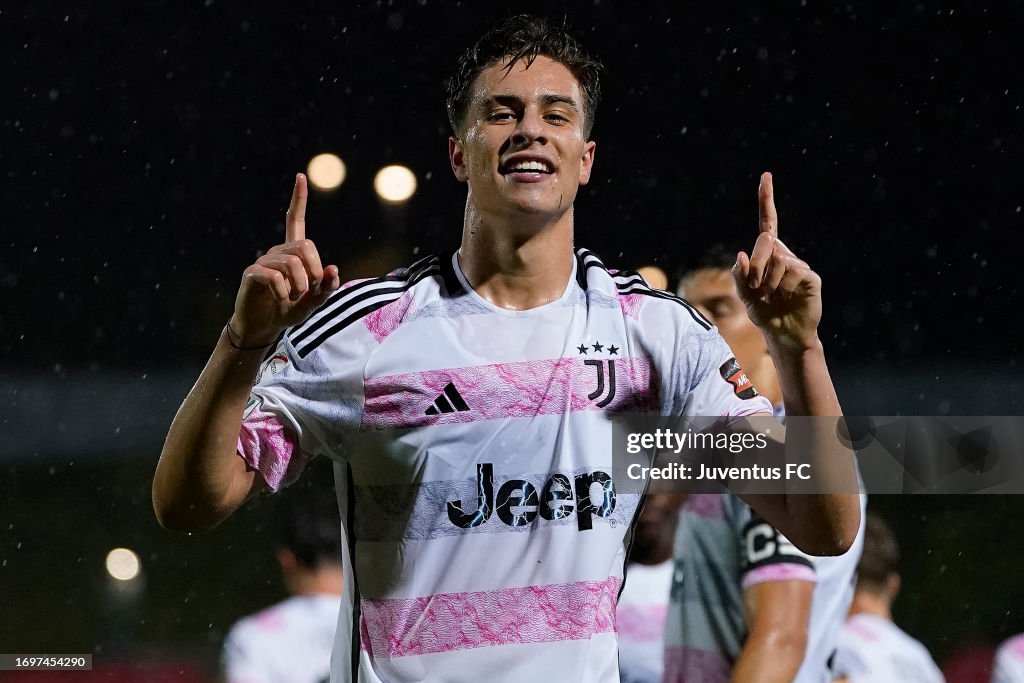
[(871, 647), (747, 605), (711, 287), (653, 276), (466, 401), (291, 641), (643, 604), (1008, 666)]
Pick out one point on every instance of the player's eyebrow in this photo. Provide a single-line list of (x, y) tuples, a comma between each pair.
[(559, 99), (712, 301), (514, 101)]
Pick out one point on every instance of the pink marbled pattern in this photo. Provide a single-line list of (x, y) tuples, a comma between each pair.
[(506, 390), (642, 622), (782, 571), (458, 621), (386, 320), (690, 665), (267, 447), (631, 304)]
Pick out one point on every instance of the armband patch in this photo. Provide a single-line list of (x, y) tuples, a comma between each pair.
[(764, 545), (734, 375)]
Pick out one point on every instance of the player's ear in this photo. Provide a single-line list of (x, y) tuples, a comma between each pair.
[(286, 558), (587, 162), (892, 585), (457, 158)]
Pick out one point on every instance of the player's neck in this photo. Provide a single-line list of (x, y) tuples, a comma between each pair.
[(517, 267), (323, 581), (866, 602)]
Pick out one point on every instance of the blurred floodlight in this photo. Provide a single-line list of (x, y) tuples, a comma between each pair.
[(123, 564), (326, 171), (654, 276), (395, 184)]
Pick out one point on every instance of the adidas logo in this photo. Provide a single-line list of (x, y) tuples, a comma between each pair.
[(448, 402)]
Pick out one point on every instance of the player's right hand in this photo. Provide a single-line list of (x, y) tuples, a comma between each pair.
[(286, 284)]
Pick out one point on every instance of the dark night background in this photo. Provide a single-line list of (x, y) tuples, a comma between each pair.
[(147, 152)]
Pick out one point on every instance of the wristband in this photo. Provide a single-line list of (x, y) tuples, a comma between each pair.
[(231, 333)]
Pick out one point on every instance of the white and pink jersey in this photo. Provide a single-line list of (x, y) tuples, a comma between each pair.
[(1009, 661), (290, 642), (643, 607), (473, 451), (874, 649)]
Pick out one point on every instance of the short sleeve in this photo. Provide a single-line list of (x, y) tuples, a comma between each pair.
[(717, 386), (301, 407)]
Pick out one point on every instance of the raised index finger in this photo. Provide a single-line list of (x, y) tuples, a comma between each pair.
[(769, 220), (295, 221)]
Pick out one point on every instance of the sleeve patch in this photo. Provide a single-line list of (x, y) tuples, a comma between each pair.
[(272, 367), (734, 375)]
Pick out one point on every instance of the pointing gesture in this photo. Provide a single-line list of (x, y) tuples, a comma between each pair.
[(286, 284), (781, 292)]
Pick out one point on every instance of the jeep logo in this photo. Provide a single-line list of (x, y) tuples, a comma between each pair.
[(518, 501)]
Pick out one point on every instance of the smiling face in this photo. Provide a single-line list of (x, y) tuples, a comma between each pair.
[(521, 147)]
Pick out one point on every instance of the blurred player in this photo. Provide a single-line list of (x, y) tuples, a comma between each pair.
[(746, 604), (466, 400), (643, 604), (1009, 661), (711, 287), (291, 641), (653, 276), (871, 647)]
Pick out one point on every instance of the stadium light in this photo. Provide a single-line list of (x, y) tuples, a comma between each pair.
[(326, 171), (395, 184), (123, 564)]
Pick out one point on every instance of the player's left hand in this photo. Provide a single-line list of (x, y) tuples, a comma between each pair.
[(781, 292)]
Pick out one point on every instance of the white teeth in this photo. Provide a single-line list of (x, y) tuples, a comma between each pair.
[(539, 166)]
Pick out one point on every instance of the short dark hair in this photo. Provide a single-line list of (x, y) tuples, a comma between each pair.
[(312, 530), (881, 556), (716, 257), (524, 37)]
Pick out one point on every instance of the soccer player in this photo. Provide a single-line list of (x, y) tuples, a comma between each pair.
[(643, 604), (746, 604), (871, 647), (291, 642), (466, 400)]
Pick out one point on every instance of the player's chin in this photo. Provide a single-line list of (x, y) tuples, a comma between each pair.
[(532, 203), (539, 200)]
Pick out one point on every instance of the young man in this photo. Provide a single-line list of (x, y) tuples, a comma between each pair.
[(746, 605), (466, 400), (291, 642), (871, 646)]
